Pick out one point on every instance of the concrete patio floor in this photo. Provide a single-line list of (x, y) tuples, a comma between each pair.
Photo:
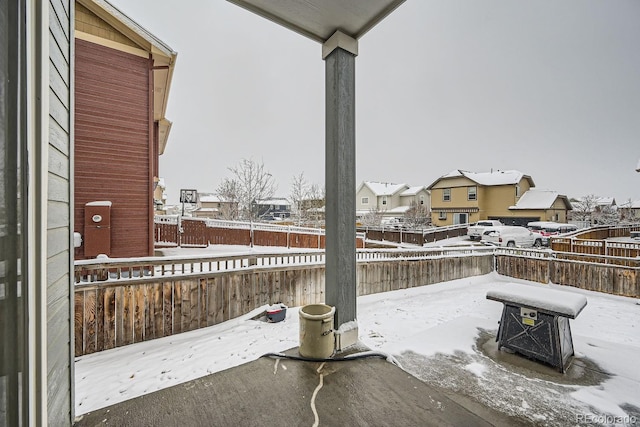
[(283, 392)]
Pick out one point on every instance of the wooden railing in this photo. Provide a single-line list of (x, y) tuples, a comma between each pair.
[(594, 241), (119, 302), (608, 274), (415, 237), (172, 230)]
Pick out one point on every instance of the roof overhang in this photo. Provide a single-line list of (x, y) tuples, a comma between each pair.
[(320, 19)]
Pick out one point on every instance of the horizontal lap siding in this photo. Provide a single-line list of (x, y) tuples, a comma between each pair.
[(112, 143), (59, 335)]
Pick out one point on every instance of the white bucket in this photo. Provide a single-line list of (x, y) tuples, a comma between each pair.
[(316, 331)]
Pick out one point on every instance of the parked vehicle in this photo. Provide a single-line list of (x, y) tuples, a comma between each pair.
[(475, 231), (396, 223), (511, 236), (550, 228)]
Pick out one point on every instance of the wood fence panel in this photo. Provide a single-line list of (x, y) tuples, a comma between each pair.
[(78, 329), (138, 313), (127, 317), (194, 307), (90, 321), (185, 303), (149, 311), (168, 309), (110, 318), (176, 312), (100, 322), (202, 303)]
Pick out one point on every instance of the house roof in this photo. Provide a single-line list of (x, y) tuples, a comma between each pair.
[(164, 58), (412, 191), (209, 198), (606, 201), (397, 210), (493, 178), (631, 204), (540, 199), (274, 201), (383, 188)]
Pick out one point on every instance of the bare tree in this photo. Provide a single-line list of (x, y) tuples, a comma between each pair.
[(417, 216), (250, 183), (306, 199), (299, 193), (371, 218), (229, 194), (583, 208)]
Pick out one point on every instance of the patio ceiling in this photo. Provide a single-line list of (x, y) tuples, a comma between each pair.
[(320, 19)]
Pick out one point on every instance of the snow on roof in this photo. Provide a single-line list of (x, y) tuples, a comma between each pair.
[(412, 191), (605, 201), (537, 199), (493, 178), (384, 188), (566, 303), (276, 201), (398, 209), (209, 198)]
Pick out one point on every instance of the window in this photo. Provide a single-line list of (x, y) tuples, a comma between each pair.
[(422, 200), (446, 195), (384, 200), (365, 200), (460, 218), (517, 191), (472, 193), (442, 216)]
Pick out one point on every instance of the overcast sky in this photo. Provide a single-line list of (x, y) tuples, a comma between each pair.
[(550, 88)]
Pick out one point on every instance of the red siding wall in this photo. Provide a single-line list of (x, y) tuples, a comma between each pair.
[(113, 154)]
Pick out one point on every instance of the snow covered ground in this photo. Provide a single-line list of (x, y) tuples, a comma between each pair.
[(443, 334)]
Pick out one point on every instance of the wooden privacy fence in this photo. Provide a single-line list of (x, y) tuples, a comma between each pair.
[(612, 275), (415, 237), (594, 241), (170, 231), (121, 302)]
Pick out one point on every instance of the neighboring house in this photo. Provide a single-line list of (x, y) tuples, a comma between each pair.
[(159, 196), (461, 197), (541, 205), (630, 211), (380, 197), (214, 207), (389, 200), (122, 79), (275, 207), (416, 196), (593, 210)]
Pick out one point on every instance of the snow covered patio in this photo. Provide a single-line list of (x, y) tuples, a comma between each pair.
[(442, 334)]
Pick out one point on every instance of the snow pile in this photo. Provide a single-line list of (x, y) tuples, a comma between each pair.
[(540, 297)]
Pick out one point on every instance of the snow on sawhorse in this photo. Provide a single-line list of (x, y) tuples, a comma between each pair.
[(535, 322)]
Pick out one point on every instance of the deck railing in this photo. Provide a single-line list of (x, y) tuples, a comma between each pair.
[(120, 301)]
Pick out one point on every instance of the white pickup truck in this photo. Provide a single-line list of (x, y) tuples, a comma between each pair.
[(474, 232)]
